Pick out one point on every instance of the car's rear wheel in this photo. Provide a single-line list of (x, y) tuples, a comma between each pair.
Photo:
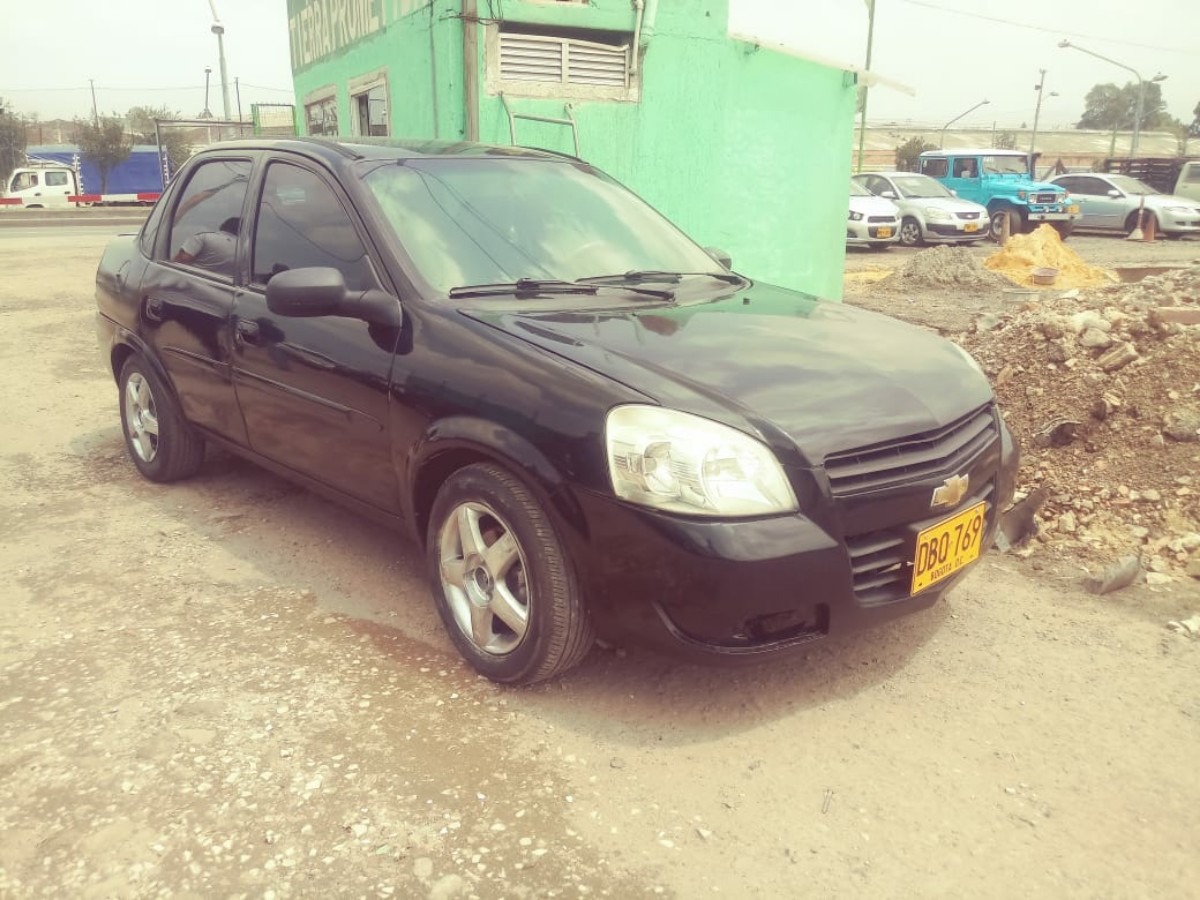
[(910, 232), (505, 590), (159, 440)]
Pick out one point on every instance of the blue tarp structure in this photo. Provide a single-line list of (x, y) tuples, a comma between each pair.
[(140, 174)]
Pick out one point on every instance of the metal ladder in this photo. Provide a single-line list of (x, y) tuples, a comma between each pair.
[(513, 116)]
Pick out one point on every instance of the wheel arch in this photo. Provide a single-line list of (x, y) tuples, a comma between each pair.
[(453, 444)]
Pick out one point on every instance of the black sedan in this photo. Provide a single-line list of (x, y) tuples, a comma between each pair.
[(589, 422)]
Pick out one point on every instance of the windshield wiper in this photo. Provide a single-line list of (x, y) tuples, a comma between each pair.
[(524, 287), (639, 275)]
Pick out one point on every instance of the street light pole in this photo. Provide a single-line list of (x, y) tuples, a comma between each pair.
[(862, 122), (1037, 112), (1141, 90), (942, 141), (219, 30)]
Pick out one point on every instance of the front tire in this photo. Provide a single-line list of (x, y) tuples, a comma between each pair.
[(504, 588), (160, 442), (1064, 229), (1016, 222), (910, 232)]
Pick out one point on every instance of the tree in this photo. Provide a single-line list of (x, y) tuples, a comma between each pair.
[(12, 141), (140, 120), (907, 153), (1005, 140), (1111, 108), (105, 143)]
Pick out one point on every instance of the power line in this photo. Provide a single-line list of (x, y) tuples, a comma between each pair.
[(1056, 31)]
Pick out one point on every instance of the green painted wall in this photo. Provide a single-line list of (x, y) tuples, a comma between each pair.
[(744, 148)]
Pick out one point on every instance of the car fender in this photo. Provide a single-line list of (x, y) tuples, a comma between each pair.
[(126, 343), (469, 438)]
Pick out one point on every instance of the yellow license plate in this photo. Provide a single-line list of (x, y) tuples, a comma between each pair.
[(946, 547), (1073, 210), (884, 232), (971, 226)]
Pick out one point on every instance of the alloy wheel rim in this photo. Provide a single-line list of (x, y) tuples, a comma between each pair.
[(484, 578), (141, 418), (909, 234)]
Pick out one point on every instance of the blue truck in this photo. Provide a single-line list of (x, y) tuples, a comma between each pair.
[(55, 173), (1001, 181)]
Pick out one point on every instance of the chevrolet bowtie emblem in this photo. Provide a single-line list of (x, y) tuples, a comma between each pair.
[(951, 491)]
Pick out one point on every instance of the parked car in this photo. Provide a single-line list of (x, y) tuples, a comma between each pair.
[(587, 422), (872, 221), (1001, 180), (1111, 202), (929, 211)]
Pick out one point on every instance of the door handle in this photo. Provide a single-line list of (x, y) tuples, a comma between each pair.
[(246, 331), (154, 309)]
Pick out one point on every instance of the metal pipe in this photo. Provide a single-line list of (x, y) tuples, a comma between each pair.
[(862, 122), (942, 141), (640, 6), (470, 26)]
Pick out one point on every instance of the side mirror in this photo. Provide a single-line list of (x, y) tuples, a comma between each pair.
[(891, 195), (953, 193), (720, 256), (1115, 194), (321, 291)]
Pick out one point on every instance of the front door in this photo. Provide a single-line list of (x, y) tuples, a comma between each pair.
[(313, 391)]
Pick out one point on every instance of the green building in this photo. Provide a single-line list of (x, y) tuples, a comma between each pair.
[(746, 148)]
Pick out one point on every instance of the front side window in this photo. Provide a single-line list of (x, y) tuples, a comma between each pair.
[(496, 220), (302, 223), (25, 181), (965, 168), (206, 222)]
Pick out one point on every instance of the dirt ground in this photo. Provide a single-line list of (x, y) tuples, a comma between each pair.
[(232, 688)]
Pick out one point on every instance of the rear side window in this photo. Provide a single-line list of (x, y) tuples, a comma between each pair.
[(935, 168), (1192, 173), (56, 179), (302, 223), (208, 217)]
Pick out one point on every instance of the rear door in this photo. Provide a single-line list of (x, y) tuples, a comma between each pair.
[(186, 294), (314, 391)]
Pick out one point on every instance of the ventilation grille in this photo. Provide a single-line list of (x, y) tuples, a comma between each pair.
[(553, 60), (950, 449)]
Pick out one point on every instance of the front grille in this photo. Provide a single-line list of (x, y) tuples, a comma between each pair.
[(968, 215), (946, 450), (1045, 198), (881, 561), (881, 218)]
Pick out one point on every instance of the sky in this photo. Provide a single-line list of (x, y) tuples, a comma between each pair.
[(954, 53)]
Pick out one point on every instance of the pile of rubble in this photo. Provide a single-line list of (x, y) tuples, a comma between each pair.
[(1042, 248), (1102, 388)]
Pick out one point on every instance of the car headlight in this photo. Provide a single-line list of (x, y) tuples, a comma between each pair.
[(937, 215), (855, 216), (1021, 195), (679, 462)]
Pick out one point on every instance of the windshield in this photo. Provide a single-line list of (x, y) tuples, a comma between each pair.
[(920, 187), (1131, 185), (1005, 165), (495, 220), (857, 190)]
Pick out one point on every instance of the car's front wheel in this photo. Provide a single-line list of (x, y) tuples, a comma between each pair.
[(505, 590), (910, 232), (1016, 222), (161, 443)]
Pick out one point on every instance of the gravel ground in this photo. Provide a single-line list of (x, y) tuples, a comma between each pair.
[(232, 688)]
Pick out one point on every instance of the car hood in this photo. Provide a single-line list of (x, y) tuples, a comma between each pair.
[(1163, 201), (802, 373), (873, 206), (949, 204), (1022, 183)]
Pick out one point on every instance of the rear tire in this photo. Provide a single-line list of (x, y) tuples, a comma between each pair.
[(160, 442), (504, 587)]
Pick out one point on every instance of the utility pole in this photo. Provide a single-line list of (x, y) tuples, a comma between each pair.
[(862, 121), (95, 112), (219, 30), (1037, 111)]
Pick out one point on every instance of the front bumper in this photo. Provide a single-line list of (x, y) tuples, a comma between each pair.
[(958, 230), (865, 232), (1051, 212), (1179, 223), (730, 591)]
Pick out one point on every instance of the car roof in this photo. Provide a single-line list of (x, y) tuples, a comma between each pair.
[(973, 151), (331, 149), (892, 174)]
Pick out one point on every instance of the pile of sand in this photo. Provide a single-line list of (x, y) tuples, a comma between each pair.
[(1043, 248)]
